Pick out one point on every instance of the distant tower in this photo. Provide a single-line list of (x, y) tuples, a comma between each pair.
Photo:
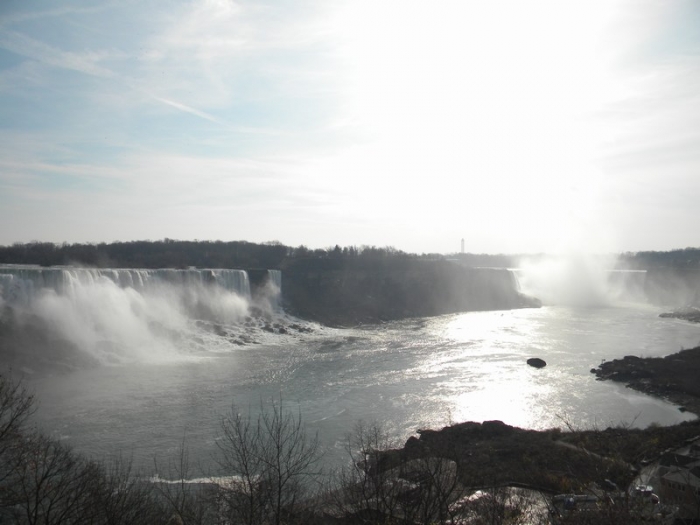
[(462, 245)]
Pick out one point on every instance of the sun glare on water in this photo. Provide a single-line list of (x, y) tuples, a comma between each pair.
[(484, 374)]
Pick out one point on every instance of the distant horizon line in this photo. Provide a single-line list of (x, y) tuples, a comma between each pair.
[(360, 247)]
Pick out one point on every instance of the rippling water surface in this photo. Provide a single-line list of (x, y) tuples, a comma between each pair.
[(407, 375)]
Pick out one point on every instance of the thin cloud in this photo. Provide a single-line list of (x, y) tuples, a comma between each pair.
[(16, 18), (87, 63), (188, 109), (211, 118)]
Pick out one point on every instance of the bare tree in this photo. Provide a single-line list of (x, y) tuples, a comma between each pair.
[(386, 486), (186, 502), (16, 406), (50, 483), (43, 481), (437, 489), (380, 486), (271, 462), (366, 488), (120, 496)]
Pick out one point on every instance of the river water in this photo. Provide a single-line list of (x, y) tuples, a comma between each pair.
[(407, 375)]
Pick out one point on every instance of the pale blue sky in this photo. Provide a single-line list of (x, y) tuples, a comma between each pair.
[(520, 126)]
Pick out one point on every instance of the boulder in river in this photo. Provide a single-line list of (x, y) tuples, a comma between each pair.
[(536, 362)]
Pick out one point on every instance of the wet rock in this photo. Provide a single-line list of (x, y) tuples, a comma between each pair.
[(689, 313), (536, 362)]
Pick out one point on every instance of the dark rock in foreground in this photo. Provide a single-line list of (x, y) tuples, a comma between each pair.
[(536, 362), (494, 453)]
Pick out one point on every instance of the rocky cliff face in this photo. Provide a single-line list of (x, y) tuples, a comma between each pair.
[(339, 293), (673, 286)]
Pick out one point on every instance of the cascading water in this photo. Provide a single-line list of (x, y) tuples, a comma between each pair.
[(515, 282), (581, 280), (113, 315), (273, 289), (21, 282)]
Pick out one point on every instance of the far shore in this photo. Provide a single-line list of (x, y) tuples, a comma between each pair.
[(673, 378)]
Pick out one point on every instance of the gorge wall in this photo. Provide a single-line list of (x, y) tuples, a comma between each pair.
[(339, 293), (673, 287)]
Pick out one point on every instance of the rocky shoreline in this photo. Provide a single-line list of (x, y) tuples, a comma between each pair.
[(495, 454), (689, 313), (673, 378)]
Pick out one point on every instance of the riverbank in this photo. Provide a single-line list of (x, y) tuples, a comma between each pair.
[(689, 313), (492, 454), (516, 456), (673, 378)]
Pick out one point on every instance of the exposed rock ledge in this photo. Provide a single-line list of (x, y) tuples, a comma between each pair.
[(689, 313), (493, 453), (674, 377)]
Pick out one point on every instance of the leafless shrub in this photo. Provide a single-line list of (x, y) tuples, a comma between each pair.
[(16, 407), (378, 486), (123, 497), (49, 483), (364, 488), (271, 462), (186, 502)]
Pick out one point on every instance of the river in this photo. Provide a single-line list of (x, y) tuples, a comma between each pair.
[(407, 375)]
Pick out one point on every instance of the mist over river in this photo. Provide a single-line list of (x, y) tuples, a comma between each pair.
[(410, 374)]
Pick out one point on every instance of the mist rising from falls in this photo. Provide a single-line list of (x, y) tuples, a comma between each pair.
[(128, 315), (268, 296), (578, 279)]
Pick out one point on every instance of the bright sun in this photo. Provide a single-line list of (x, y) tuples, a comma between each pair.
[(465, 104)]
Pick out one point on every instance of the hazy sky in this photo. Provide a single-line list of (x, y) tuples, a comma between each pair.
[(520, 126)]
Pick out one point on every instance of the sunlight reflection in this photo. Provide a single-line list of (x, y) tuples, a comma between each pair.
[(488, 326), (513, 405), (506, 393), (488, 377)]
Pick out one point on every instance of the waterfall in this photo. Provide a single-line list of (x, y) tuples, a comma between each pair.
[(113, 315), (514, 279), (274, 285), (581, 280), (275, 277), (19, 284)]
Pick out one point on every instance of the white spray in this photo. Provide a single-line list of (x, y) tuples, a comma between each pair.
[(572, 279), (118, 315)]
